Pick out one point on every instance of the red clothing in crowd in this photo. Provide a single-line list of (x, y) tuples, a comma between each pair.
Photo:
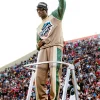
[(98, 61)]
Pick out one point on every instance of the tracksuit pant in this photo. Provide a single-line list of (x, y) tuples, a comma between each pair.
[(53, 53)]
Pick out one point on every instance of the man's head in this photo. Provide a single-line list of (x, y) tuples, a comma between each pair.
[(42, 10)]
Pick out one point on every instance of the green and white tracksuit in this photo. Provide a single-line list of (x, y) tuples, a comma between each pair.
[(50, 31)]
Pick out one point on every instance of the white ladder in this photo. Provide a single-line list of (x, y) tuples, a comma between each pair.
[(70, 69)]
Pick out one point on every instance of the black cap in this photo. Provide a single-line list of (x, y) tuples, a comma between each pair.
[(42, 5)]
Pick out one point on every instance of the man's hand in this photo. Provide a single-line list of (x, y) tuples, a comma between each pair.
[(40, 43)]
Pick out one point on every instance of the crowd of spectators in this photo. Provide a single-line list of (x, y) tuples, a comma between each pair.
[(84, 54), (14, 81)]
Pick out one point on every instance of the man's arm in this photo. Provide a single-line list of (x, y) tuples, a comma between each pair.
[(40, 42), (59, 12)]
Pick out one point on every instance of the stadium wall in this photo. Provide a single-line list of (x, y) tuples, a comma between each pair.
[(91, 36), (18, 61)]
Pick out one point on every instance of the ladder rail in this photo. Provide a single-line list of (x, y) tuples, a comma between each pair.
[(70, 67)]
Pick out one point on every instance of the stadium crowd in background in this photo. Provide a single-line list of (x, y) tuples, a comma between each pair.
[(84, 54)]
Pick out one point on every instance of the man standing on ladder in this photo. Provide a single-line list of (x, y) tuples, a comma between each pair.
[(50, 46)]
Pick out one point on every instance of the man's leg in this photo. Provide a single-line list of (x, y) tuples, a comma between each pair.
[(55, 72), (41, 76)]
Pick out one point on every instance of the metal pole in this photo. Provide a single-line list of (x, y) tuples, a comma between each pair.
[(75, 84), (30, 86), (66, 84), (39, 63)]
